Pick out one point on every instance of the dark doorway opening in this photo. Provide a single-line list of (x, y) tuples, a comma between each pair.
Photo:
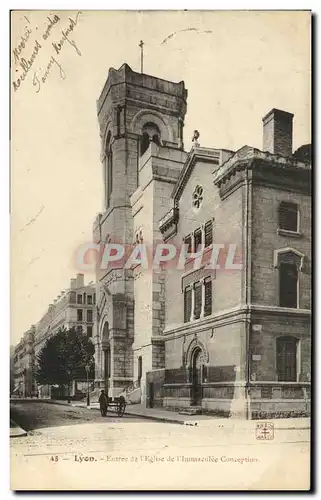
[(196, 378)]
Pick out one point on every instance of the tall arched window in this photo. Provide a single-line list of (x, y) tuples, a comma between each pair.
[(150, 133), (108, 171), (289, 263), (286, 358), (144, 143), (288, 284), (140, 368)]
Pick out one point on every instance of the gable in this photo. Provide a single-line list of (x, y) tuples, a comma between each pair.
[(198, 199)]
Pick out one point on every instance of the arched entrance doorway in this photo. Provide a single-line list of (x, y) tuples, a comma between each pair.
[(196, 377)]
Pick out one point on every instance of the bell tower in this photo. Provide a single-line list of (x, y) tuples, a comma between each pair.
[(134, 109)]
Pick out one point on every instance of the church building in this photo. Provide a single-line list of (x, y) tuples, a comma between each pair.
[(226, 329)]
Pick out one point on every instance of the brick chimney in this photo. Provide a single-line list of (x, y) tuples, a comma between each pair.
[(277, 132), (73, 284)]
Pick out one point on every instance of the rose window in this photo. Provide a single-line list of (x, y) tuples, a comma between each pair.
[(197, 196)]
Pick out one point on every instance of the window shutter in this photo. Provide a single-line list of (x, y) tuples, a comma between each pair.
[(198, 300), (208, 298), (188, 242), (208, 234), (197, 239), (187, 304), (288, 216)]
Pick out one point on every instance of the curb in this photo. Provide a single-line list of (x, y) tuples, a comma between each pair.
[(191, 423), (148, 417), (209, 423)]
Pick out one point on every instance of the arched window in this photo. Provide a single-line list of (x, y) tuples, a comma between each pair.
[(140, 369), (108, 363), (286, 358), (288, 285), (150, 133), (289, 263), (144, 143), (108, 171), (156, 139)]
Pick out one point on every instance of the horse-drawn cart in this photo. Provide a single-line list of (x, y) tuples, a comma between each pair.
[(119, 404)]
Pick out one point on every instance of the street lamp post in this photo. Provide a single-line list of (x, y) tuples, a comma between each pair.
[(87, 368), (68, 373)]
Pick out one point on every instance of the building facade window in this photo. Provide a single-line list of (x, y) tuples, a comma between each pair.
[(286, 358), (79, 329), (150, 133), (208, 236), (144, 143), (208, 297), (197, 197), (108, 170), (202, 236), (187, 304), (197, 239), (89, 299), (198, 300), (140, 369), (188, 242), (79, 299), (288, 286), (107, 363), (89, 316), (289, 217), (79, 314), (290, 263), (90, 331)]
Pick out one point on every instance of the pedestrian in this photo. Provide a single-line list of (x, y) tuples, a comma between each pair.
[(103, 403)]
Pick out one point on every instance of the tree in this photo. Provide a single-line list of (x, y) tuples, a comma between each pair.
[(303, 153), (64, 357)]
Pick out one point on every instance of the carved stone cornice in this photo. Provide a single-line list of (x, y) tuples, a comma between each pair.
[(266, 169), (169, 219)]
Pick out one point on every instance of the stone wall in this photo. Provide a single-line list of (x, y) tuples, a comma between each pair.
[(266, 239)]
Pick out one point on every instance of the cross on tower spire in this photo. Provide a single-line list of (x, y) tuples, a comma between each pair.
[(141, 45)]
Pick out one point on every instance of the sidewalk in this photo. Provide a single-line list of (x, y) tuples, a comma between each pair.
[(139, 410)]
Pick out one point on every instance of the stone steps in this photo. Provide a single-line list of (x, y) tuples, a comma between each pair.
[(195, 410)]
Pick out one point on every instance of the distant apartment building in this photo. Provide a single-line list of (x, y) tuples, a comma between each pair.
[(24, 365), (12, 385), (74, 307)]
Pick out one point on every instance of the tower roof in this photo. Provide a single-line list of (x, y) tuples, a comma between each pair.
[(126, 75)]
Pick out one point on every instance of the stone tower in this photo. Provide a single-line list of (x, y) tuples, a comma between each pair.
[(134, 110)]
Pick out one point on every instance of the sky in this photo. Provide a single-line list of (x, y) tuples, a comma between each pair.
[(236, 67)]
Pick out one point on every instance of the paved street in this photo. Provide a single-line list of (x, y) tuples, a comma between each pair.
[(74, 448), (32, 415)]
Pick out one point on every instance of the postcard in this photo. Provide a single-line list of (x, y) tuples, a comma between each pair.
[(160, 250)]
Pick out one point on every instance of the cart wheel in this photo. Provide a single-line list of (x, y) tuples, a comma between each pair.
[(121, 406)]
